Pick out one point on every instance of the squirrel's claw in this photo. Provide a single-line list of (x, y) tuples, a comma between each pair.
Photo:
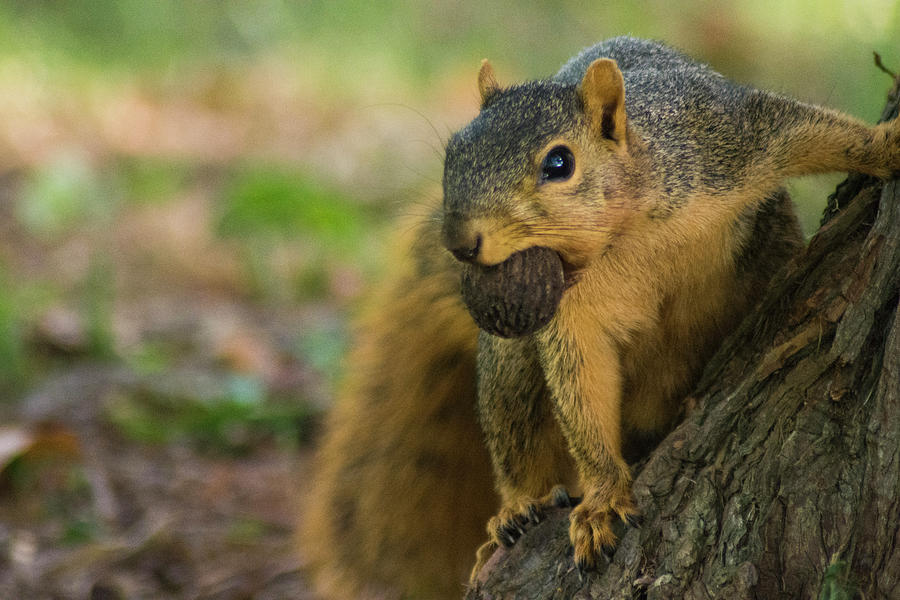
[(609, 551), (513, 521), (485, 551), (635, 520), (590, 526)]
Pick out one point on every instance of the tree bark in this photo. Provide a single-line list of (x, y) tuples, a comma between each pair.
[(784, 481)]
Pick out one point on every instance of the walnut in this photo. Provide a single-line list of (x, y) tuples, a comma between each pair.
[(516, 297)]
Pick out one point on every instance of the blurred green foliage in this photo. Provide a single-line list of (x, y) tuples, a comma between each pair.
[(54, 486), (149, 179), (98, 296), (151, 358), (61, 194), (352, 41), (323, 346), (232, 415), (347, 61), (124, 34), (276, 201), (12, 351), (265, 205)]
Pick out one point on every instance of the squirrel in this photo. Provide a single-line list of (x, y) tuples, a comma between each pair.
[(654, 184)]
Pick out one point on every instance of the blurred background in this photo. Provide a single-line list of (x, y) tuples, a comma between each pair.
[(194, 195)]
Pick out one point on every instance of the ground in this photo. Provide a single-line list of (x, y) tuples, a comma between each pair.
[(102, 495)]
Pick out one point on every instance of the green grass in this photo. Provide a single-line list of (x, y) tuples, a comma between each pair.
[(12, 347), (53, 485), (151, 179), (63, 194), (271, 201), (97, 299), (232, 416), (265, 206)]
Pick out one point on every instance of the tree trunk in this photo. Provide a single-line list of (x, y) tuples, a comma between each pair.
[(784, 481)]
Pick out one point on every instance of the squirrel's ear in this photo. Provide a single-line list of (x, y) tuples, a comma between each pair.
[(602, 92), (487, 82)]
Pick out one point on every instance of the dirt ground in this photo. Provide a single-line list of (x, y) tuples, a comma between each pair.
[(87, 511)]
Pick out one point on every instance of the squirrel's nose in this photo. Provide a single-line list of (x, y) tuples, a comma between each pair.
[(461, 239), (468, 252)]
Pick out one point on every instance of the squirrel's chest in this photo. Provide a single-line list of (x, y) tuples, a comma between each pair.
[(647, 341)]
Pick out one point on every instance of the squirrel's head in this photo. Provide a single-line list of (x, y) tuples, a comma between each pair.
[(541, 165)]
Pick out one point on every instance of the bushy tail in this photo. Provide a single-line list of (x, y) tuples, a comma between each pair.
[(402, 487)]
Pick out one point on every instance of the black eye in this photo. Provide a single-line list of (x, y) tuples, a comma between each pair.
[(558, 165)]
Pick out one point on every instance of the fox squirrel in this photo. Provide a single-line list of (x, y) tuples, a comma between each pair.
[(644, 188)]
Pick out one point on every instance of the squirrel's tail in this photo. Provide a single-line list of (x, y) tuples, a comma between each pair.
[(402, 485)]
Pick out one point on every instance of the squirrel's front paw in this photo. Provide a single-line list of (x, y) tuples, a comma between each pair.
[(513, 520), (505, 528), (590, 527)]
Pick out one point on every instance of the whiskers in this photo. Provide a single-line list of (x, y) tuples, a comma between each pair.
[(437, 149), (404, 176), (541, 229)]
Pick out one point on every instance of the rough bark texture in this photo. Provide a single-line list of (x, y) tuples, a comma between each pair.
[(784, 481)]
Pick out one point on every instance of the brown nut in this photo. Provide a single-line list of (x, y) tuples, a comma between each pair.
[(516, 297)]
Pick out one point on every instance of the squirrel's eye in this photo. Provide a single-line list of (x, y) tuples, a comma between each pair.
[(558, 165)]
